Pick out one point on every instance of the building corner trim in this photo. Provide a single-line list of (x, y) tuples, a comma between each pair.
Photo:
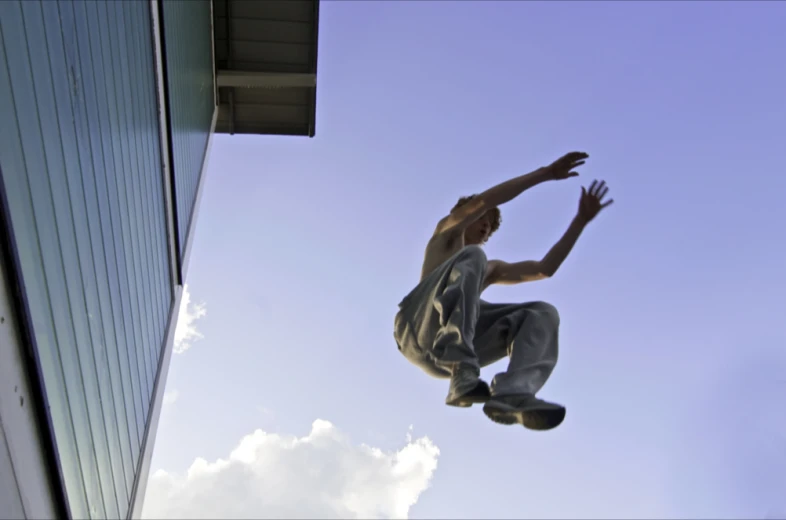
[(142, 476)]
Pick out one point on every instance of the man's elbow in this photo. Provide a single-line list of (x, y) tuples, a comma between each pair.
[(533, 273), (522, 272), (546, 270)]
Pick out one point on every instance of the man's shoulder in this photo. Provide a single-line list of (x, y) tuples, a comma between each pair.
[(443, 236), (444, 229), (441, 225)]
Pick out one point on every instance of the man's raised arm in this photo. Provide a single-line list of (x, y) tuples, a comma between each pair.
[(465, 215), (590, 204)]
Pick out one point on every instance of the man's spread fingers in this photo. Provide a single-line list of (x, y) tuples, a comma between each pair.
[(607, 203)]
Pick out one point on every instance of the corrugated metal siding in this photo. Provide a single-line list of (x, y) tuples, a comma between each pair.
[(10, 497), (189, 62), (80, 155)]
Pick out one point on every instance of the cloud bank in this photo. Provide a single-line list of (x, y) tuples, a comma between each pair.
[(320, 475), (170, 396), (186, 331)]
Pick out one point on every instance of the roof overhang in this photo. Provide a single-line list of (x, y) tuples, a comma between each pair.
[(265, 59)]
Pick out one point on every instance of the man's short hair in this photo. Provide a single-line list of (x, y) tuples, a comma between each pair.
[(496, 215)]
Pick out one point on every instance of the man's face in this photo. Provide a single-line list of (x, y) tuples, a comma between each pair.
[(479, 231)]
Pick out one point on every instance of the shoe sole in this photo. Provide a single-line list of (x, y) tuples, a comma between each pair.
[(480, 393), (537, 417)]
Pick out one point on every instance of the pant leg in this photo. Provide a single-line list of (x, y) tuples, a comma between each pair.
[(529, 334), (435, 326)]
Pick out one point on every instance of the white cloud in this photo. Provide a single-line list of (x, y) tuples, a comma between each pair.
[(186, 331), (170, 396), (321, 475)]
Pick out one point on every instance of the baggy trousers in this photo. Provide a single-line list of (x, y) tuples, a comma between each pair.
[(443, 325)]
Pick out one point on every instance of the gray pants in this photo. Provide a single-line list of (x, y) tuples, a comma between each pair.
[(443, 325)]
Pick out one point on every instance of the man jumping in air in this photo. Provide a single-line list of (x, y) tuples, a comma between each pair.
[(444, 327)]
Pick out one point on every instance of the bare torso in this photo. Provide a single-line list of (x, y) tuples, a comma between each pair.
[(440, 248)]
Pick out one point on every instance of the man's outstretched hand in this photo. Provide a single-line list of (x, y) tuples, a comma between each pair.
[(591, 201), (563, 168)]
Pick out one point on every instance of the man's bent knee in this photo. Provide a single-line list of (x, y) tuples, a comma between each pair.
[(546, 309)]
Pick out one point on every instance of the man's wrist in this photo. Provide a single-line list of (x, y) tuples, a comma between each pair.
[(544, 173), (580, 220)]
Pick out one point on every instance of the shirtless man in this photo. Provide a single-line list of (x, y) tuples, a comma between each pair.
[(444, 327)]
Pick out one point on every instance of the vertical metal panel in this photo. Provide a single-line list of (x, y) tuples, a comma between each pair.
[(81, 164), (29, 488), (189, 64), (10, 494), (91, 122)]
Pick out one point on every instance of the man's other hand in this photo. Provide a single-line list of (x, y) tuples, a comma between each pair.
[(563, 168), (591, 201)]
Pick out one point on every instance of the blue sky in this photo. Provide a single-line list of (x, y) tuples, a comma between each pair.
[(672, 357)]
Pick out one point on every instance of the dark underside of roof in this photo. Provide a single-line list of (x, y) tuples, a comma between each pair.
[(266, 66)]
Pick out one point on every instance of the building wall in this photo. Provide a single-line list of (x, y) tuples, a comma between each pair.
[(189, 72), (81, 170), (10, 494), (25, 481)]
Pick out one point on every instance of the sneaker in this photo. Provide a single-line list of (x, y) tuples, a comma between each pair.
[(527, 410), (466, 389)]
